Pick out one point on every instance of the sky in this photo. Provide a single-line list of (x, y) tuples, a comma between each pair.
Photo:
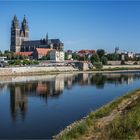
[(79, 24)]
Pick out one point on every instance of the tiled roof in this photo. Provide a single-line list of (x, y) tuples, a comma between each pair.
[(24, 53), (87, 51), (43, 51)]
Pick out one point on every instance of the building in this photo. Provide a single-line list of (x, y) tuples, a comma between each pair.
[(87, 53), (69, 54), (57, 55), (137, 55), (3, 58), (20, 39), (26, 54), (40, 52), (117, 50), (130, 54)]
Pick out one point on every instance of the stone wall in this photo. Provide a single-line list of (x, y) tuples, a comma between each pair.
[(121, 66), (114, 62), (30, 69)]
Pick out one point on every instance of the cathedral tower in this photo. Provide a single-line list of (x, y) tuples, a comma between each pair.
[(24, 30), (15, 35)]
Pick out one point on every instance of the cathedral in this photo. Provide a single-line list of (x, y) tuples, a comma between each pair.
[(20, 39)]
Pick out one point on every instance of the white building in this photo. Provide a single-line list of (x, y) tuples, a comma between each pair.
[(3, 59), (130, 54), (57, 55)]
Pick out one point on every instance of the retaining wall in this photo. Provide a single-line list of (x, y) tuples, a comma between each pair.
[(26, 70)]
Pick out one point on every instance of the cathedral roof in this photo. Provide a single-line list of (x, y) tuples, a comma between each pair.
[(32, 42), (54, 41)]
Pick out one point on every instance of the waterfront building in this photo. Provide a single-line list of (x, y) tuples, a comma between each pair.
[(40, 52), (137, 55), (26, 54), (57, 55), (130, 54), (20, 39)]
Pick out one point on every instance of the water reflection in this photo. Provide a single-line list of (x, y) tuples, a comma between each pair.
[(18, 102), (19, 92)]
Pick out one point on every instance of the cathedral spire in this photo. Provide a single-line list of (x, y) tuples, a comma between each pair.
[(24, 23), (15, 23), (15, 18), (47, 36)]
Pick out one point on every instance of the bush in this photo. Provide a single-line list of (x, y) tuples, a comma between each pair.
[(98, 65), (23, 62), (104, 60)]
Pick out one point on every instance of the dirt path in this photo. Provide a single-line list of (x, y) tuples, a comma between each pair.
[(103, 122)]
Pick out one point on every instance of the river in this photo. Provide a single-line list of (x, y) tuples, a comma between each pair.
[(41, 106)]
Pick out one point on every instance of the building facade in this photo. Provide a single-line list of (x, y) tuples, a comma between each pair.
[(57, 55), (20, 39)]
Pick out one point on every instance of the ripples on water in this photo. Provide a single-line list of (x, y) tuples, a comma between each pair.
[(41, 106)]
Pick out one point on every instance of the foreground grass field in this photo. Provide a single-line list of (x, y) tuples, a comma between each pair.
[(119, 119)]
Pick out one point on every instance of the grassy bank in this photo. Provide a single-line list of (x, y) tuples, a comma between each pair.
[(119, 119)]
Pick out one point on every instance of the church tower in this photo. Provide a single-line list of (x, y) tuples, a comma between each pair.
[(24, 30), (15, 36)]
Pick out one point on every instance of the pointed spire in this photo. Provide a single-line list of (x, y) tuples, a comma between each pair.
[(24, 23), (15, 18), (47, 36), (15, 23), (24, 19)]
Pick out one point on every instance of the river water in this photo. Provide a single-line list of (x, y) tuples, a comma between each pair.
[(41, 106)]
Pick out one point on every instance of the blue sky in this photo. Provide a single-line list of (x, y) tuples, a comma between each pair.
[(79, 24)]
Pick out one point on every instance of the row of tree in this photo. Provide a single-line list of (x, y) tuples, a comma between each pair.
[(101, 56)]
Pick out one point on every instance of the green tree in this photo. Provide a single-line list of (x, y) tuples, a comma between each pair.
[(104, 60), (75, 56), (46, 57), (94, 58), (113, 57), (1, 53), (100, 53), (66, 56)]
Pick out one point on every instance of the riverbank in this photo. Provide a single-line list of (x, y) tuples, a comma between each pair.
[(34, 70), (42, 70), (116, 120)]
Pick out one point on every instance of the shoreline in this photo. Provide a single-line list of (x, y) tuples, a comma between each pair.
[(97, 123), (25, 71)]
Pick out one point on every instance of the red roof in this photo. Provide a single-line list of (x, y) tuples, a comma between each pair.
[(43, 51), (24, 53), (87, 51)]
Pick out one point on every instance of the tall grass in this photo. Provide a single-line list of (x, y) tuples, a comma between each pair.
[(85, 125)]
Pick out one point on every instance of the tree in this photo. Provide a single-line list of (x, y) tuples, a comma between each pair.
[(6, 51), (94, 58), (100, 53), (75, 56), (1, 53), (113, 57), (66, 56), (104, 60), (46, 57)]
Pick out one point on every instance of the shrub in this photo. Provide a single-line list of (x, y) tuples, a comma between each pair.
[(104, 60), (98, 65)]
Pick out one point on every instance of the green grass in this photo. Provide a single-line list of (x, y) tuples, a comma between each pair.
[(126, 125), (82, 127)]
